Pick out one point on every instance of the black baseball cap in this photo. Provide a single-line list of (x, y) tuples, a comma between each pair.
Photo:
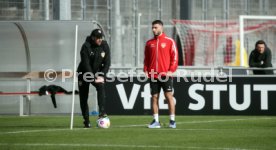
[(98, 33)]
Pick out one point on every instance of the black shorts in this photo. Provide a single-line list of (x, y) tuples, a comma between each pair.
[(166, 83)]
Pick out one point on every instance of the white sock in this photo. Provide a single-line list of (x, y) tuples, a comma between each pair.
[(172, 117), (155, 116)]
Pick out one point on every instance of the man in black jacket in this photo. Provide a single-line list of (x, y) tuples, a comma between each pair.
[(94, 65), (261, 57)]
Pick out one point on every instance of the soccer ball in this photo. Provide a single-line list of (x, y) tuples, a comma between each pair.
[(103, 122)]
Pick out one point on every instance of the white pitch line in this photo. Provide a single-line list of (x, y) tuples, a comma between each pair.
[(118, 146), (170, 129), (192, 122), (222, 120), (132, 125), (33, 131)]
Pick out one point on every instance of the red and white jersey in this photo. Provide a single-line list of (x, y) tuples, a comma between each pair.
[(161, 56)]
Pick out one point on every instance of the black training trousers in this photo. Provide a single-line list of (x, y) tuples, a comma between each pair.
[(83, 93)]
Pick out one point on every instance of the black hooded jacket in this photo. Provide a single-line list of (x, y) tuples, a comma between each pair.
[(94, 59), (259, 60)]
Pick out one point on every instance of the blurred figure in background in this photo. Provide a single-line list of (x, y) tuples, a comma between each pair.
[(261, 57)]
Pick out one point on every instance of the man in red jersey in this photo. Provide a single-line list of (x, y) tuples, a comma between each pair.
[(161, 60)]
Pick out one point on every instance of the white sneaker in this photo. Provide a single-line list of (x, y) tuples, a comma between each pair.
[(172, 124), (154, 124)]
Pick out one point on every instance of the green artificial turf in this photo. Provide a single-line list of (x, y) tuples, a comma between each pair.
[(130, 132)]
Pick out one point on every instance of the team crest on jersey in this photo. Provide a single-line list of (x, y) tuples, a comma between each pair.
[(163, 45), (103, 54), (152, 45)]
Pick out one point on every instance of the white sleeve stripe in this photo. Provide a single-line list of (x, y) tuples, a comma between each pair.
[(174, 47)]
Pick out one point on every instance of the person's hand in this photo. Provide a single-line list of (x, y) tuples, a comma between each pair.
[(99, 79), (169, 73), (146, 73)]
